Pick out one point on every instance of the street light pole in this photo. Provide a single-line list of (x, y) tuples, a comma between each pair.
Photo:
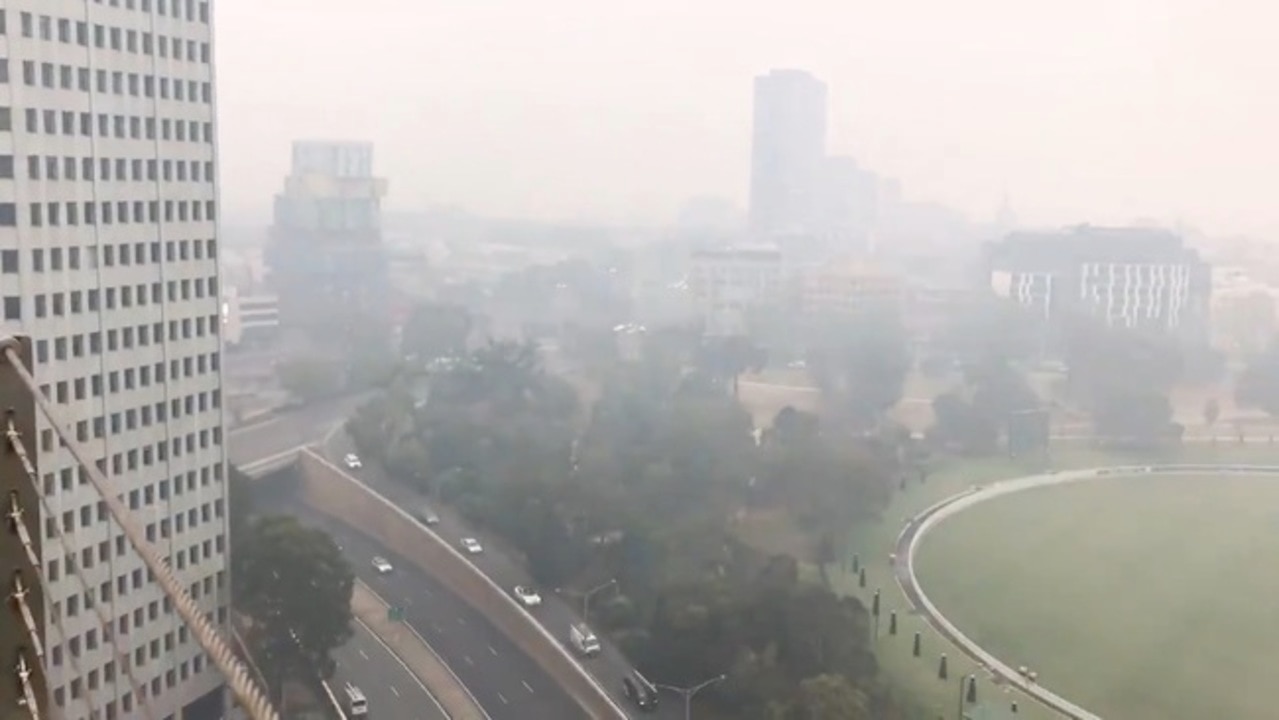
[(586, 598), (966, 685), (689, 692)]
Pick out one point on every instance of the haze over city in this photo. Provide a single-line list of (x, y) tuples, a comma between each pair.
[(559, 361), (1096, 110)]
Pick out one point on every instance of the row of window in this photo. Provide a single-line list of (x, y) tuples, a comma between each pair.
[(121, 212), (166, 528), (135, 619), (76, 302), (51, 167), (117, 381), (122, 127), (60, 76), (75, 690), (66, 479), (126, 254), (105, 37)]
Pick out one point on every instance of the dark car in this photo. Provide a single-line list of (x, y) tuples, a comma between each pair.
[(640, 691)]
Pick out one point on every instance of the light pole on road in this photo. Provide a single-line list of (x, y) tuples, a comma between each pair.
[(586, 598), (689, 692)]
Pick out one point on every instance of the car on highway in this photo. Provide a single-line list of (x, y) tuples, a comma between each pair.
[(382, 565), (427, 515), (353, 461), (528, 597), (640, 691), (472, 546)]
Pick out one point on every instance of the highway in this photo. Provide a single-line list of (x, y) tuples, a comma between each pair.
[(288, 430), (319, 422), (391, 690), (556, 613), (508, 684)]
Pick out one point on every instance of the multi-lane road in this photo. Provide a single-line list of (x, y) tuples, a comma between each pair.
[(391, 690), (506, 683), (556, 612), (497, 673)]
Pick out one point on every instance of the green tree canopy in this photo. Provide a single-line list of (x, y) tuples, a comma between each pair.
[(296, 586)]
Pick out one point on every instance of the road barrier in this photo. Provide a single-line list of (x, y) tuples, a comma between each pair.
[(328, 489), (921, 524)]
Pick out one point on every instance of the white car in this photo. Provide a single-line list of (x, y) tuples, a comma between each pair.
[(528, 596), (353, 461), (472, 546), (382, 565)]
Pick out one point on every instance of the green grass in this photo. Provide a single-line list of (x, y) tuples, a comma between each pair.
[(916, 678)]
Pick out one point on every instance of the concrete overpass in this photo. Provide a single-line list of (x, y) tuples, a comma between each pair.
[(272, 444)]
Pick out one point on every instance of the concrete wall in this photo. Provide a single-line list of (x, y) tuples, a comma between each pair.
[(328, 490)]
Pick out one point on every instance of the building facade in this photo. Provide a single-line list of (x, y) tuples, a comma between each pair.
[(728, 283), (788, 153), (850, 291), (249, 319), (328, 264), (1129, 277), (108, 260)]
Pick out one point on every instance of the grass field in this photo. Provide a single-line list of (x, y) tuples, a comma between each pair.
[(1141, 599), (916, 678)]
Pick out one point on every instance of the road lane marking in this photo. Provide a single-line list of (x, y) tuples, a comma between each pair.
[(436, 628), (394, 692), (526, 685), (468, 660), (502, 697), (492, 651), (405, 666), (364, 655), (461, 621)]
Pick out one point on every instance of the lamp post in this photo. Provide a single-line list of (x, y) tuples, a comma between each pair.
[(967, 685), (586, 598), (689, 692)]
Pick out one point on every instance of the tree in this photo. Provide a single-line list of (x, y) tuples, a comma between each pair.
[(830, 697), (861, 368), (311, 379), (296, 587), (435, 330), (1211, 412), (728, 357), (1258, 384)]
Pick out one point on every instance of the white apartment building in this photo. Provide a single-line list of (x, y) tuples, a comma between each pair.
[(108, 259), (728, 283)]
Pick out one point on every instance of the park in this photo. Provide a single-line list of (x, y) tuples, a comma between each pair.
[(1136, 596)]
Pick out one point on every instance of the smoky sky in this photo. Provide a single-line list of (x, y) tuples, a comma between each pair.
[(1093, 110)]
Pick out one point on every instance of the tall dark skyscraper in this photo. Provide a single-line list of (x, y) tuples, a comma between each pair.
[(788, 152), (327, 260)]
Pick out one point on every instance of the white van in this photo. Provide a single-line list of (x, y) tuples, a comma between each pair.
[(356, 704), (583, 640)]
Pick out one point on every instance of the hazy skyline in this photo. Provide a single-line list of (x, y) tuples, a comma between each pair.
[(1100, 110)]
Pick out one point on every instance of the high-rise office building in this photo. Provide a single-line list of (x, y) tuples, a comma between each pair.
[(788, 153), (326, 255), (108, 260)]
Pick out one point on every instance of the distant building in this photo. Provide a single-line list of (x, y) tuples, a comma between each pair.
[(327, 260), (850, 291), (847, 202), (728, 283), (1131, 277), (249, 319), (788, 152)]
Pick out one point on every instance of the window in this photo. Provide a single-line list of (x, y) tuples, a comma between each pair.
[(12, 307), (8, 261), (6, 166)]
